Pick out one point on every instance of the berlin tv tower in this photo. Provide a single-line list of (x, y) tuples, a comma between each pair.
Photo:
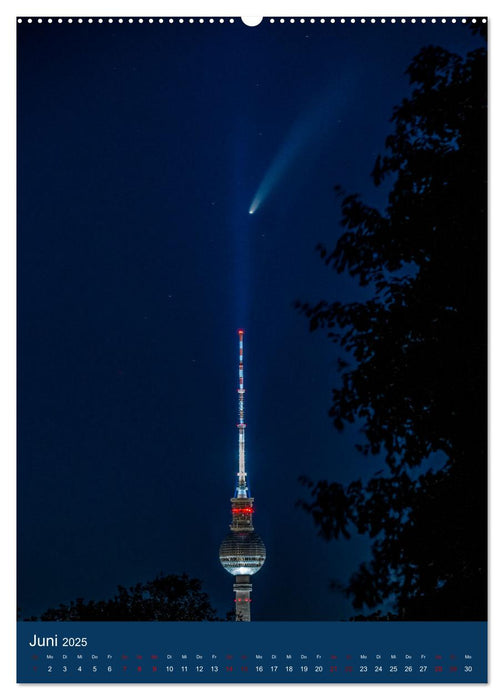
[(242, 552)]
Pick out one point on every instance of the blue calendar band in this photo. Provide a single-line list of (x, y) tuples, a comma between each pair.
[(268, 652)]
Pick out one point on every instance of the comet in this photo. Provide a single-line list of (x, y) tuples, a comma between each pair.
[(313, 125)]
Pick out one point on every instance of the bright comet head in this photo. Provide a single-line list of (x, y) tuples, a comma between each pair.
[(254, 205)]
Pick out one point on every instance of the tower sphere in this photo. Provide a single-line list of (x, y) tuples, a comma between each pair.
[(242, 553)]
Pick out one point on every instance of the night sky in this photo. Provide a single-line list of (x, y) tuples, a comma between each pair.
[(141, 148)]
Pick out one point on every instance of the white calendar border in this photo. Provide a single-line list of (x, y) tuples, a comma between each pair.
[(315, 8)]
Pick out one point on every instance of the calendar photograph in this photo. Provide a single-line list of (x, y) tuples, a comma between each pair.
[(252, 349)]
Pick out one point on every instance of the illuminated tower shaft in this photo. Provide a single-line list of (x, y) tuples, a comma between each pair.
[(241, 489), (242, 553)]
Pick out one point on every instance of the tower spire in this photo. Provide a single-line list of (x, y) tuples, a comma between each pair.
[(241, 488)]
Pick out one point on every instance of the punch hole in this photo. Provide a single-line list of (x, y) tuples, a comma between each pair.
[(251, 21)]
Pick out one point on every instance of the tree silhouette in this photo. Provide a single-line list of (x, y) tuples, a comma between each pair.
[(166, 598), (413, 373)]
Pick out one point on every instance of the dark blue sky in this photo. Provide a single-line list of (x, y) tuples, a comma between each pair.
[(140, 150)]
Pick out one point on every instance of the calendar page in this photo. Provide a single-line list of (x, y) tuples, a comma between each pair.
[(252, 349)]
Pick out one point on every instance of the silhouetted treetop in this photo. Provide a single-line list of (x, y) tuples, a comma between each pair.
[(165, 598), (425, 261)]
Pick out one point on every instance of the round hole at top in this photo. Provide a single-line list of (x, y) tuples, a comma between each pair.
[(251, 21)]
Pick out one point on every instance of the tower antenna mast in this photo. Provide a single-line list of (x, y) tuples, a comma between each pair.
[(241, 488)]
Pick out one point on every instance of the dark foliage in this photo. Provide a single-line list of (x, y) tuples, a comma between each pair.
[(166, 598), (414, 372)]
